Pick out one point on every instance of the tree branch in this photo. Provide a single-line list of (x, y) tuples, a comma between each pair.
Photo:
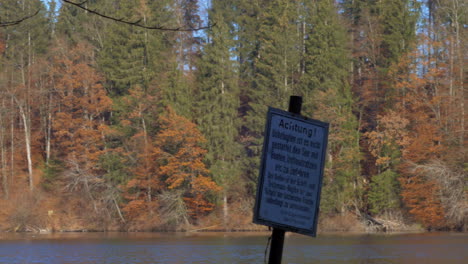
[(132, 23), (16, 22)]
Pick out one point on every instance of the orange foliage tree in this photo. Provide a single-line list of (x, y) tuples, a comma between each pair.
[(81, 103), (78, 128), (387, 139), (182, 166), (137, 112), (385, 144), (169, 175), (418, 103)]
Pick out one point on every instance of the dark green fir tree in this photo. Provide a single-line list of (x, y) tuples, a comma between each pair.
[(217, 104), (327, 96)]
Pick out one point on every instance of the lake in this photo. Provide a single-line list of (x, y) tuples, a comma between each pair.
[(145, 248)]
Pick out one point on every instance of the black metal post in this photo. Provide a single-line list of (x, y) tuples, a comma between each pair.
[(295, 104), (277, 238), (276, 248)]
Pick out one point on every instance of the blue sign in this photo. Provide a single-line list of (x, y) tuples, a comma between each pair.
[(288, 192)]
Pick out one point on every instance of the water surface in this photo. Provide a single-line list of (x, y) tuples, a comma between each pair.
[(145, 248)]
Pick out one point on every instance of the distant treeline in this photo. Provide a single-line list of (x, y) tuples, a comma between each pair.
[(117, 125)]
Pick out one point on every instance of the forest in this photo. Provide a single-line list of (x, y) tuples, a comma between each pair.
[(140, 115)]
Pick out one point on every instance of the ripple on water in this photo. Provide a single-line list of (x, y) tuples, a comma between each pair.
[(231, 248)]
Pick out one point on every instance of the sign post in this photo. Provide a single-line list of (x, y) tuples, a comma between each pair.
[(288, 191)]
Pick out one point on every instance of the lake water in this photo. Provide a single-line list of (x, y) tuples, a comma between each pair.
[(145, 248)]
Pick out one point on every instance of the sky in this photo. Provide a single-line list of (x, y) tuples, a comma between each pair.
[(47, 2)]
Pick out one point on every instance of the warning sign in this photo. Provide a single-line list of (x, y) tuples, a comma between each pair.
[(290, 181)]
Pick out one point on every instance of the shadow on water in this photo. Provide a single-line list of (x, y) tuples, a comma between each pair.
[(145, 248)]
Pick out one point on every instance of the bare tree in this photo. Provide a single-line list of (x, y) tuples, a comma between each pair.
[(103, 196), (452, 189), (173, 208)]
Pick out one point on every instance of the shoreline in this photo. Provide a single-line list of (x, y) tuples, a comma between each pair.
[(237, 231)]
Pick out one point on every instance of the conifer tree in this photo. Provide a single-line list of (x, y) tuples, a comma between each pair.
[(70, 22), (327, 96), (246, 22), (269, 56), (177, 89), (123, 56), (180, 50), (278, 58), (217, 101)]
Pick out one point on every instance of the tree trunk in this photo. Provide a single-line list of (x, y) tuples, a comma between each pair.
[(118, 210), (225, 209), (3, 154), (27, 137), (459, 46), (12, 142), (145, 135), (48, 137)]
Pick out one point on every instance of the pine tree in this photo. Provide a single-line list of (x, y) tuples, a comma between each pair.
[(70, 22), (177, 89), (327, 96), (398, 20), (81, 102), (217, 102), (278, 59), (123, 56), (174, 75), (327, 57), (136, 122), (383, 196), (269, 57), (244, 17)]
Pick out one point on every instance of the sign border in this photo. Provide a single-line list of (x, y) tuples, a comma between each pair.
[(257, 220)]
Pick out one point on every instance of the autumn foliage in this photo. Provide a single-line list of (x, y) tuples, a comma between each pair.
[(412, 132), (105, 126), (175, 160), (182, 162), (80, 104)]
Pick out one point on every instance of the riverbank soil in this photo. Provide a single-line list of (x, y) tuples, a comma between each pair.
[(51, 211), (44, 212)]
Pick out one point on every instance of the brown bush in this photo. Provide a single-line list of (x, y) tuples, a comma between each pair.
[(25, 216), (340, 223)]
